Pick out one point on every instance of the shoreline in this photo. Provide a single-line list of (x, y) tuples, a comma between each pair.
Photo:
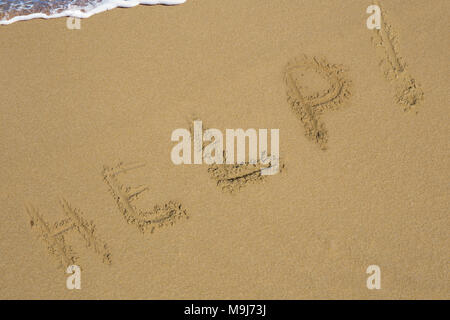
[(81, 14)]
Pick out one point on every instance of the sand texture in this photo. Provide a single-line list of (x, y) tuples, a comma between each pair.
[(364, 138)]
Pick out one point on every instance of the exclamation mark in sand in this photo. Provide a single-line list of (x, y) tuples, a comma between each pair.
[(408, 92)]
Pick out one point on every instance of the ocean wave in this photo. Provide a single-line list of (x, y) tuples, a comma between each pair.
[(17, 10)]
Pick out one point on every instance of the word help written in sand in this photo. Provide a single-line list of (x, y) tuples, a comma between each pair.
[(124, 196), (54, 235), (408, 92), (308, 104)]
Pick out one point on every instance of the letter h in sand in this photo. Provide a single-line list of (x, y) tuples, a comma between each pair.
[(54, 235)]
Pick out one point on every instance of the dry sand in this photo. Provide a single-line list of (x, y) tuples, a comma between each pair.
[(365, 182)]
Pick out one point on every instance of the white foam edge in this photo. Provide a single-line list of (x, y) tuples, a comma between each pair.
[(103, 7)]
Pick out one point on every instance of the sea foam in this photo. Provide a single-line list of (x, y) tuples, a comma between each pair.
[(17, 10)]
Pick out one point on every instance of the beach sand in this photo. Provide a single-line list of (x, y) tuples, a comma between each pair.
[(365, 182)]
